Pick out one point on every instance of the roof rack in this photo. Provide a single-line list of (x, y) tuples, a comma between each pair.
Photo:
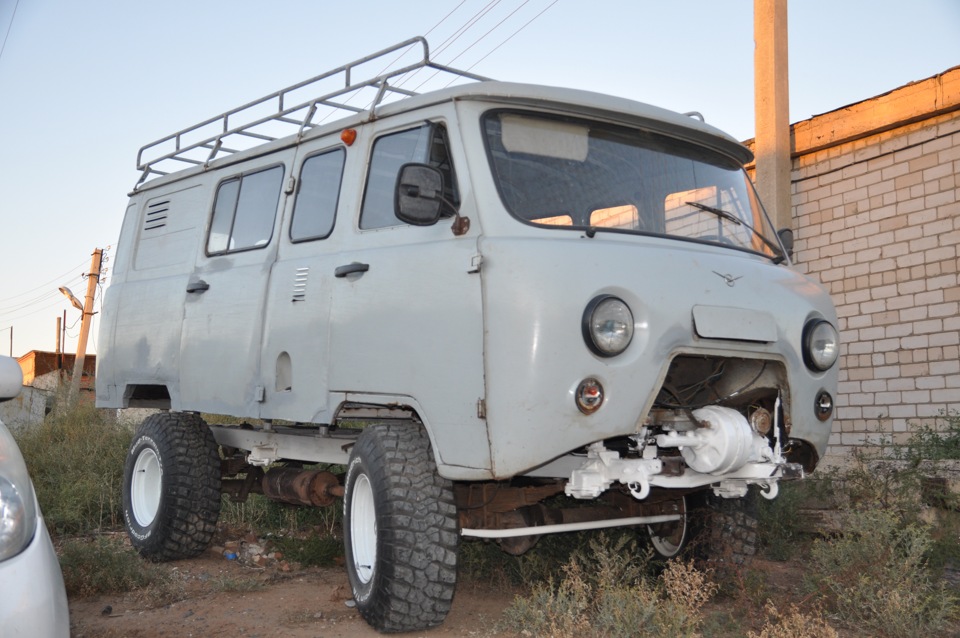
[(269, 118)]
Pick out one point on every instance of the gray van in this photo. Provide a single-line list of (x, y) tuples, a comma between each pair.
[(448, 308)]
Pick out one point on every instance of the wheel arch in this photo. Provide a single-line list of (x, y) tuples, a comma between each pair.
[(391, 407)]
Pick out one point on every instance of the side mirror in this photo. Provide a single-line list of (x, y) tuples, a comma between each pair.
[(418, 196), (11, 378), (786, 238)]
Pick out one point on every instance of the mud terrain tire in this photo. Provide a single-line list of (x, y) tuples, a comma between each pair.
[(400, 530), (730, 530), (171, 487)]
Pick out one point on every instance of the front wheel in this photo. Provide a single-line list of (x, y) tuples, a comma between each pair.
[(400, 530), (171, 487), (669, 539)]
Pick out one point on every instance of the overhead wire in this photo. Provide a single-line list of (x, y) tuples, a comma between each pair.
[(9, 27), (395, 60), (525, 25), (451, 39), (475, 42), (45, 284)]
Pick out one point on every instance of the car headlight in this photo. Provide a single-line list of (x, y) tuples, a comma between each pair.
[(821, 345), (607, 326), (18, 511)]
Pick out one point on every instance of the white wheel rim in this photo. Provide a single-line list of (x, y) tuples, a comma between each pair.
[(145, 487), (665, 545), (363, 529)]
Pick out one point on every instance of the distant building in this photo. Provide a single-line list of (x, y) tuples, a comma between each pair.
[(43, 374)]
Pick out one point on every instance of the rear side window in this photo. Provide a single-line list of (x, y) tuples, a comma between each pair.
[(244, 211), (426, 144), (316, 208)]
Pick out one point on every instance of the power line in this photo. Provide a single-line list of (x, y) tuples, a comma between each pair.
[(9, 26), (456, 35), (58, 278), (403, 53), (478, 40), (511, 35)]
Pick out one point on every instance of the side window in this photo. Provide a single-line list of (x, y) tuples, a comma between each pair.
[(427, 144), (244, 211), (316, 207)]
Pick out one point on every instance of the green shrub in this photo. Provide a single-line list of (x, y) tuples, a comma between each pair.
[(875, 576), (779, 525), (75, 458), (937, 442)]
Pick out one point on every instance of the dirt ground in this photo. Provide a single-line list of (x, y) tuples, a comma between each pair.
[(240, 597), (308, 602), (228, 598)]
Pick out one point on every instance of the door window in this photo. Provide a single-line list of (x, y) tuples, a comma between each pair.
[(316, 207), (426, 144), (244, 211)]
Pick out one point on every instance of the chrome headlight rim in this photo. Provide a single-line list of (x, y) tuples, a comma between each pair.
[(821, 345), (598, 344)]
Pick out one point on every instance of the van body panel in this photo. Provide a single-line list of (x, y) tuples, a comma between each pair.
[(412, 325), (223, 318), (295, 354), (535, 350)]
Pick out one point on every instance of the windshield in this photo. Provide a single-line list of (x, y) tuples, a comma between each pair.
[(575, 174)]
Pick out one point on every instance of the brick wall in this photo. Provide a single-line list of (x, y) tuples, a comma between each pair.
[(876, 214)]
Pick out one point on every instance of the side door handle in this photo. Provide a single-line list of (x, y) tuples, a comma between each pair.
[(349, 269), (198, 286)]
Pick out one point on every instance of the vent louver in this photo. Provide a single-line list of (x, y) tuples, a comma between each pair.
[(300, 284), (156, 215)]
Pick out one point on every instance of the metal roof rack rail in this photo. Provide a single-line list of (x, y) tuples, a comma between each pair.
[(261, 122)]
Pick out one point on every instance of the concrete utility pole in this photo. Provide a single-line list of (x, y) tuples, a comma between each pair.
[(93, 277), (771, 89)]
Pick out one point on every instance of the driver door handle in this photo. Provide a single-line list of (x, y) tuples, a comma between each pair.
[(198, 286), (349, 269)]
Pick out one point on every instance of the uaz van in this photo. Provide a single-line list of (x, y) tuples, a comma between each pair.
[(448, 308)]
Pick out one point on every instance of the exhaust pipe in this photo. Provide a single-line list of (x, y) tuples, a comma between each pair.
[(315, 488)]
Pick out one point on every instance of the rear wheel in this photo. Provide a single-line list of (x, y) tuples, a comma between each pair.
[(171, 487), (400, 530)]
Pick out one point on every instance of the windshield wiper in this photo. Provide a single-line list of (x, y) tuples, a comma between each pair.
[(719, 212)]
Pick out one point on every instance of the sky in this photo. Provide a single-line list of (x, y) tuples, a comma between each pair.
[(83, 85)]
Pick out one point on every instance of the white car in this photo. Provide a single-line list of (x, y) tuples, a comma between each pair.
[(33, 601)]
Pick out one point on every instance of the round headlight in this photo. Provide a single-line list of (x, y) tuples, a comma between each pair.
[(821, 345), (607, 326)]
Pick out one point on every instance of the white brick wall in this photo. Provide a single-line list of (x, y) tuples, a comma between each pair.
[(877, 220)]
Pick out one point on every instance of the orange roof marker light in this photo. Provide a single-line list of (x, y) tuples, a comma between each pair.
[(349, 136)]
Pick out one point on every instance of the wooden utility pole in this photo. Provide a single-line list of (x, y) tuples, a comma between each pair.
[(59, 354), (771, 90), (93, 278)]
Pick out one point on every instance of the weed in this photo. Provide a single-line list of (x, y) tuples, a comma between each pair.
[(779, 528), (609, 592), (794, 623), (227, 583), (104, 565), (314, 550), (937, 442), (875, 576), (265, 516), (76, 461)]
